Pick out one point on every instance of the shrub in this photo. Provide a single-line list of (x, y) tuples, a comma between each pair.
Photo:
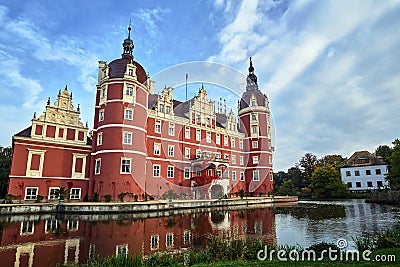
[(389, 238), (95, 197), (364, 243), (107, 198), (39, 198)]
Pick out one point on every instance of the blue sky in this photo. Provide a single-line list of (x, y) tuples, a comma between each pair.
[(330, 68)]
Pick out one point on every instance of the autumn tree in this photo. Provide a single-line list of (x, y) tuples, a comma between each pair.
[(326, 183)]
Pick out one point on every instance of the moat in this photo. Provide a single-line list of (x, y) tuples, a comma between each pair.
[(46, 240)]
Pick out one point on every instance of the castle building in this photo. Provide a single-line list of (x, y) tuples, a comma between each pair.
[(146, 143)]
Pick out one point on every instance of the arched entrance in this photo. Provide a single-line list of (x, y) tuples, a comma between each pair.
[(217, 191)]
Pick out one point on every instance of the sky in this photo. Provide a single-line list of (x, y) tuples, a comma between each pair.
[(330, 68)]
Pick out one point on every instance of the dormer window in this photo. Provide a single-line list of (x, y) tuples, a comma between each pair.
[(254, 117), (253, 103), (161, 108), (130, 72)]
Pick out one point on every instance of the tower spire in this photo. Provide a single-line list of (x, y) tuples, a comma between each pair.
[(128, 43), (252, 78)]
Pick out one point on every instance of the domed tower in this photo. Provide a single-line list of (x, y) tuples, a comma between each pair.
[(119, 134), (254, 115)]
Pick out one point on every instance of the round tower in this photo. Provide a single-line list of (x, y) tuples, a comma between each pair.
[(254, 116), (119, 134)]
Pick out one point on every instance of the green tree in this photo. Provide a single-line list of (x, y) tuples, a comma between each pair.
[(326, 183), (393, 176), (384, 151), (5, 165), (308, 162), (279, 177), (295, 174), (287, 188), (336, 161)]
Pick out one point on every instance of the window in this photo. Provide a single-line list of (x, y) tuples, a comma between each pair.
[(157, 149), (219, 173), (187, 152), (226, 156), (53, 192), (358, 184), (125, 165), (218, 139), (226, 140), (97, 166), (255, 159), (198, 173), (157, 126), (27, 228), (127, 138), (241, 176), (233, 159), (103, 92), (99, 139), (168, 109), (208, 121), (378, 171), (254, 144), (254, 129), (232, 142), (369, 184), (171, 129), (253, 103), (379, 183), (187, 173), (101, 115), (187, 132), (128, 114), (169, 240), (254, 117), (349, 185), (233, 175), (348, 173), (121, 250), (271, 175), (187, 237), (154, 242), (357, 173), (72, 225), (161, 109), (129, 91), (156, 170), (75, 193), (241, 144), (31, 193), (170, 151), (198, 135), (130, 72), (198, 153), (208, 137), (197, 117), (241, 160), (256, 176), (170, 172), (50, 226), (368, 172)]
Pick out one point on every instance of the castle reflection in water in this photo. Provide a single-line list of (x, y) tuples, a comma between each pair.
[(48, 240)]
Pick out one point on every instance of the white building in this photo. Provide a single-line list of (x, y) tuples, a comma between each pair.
[(364, 171)]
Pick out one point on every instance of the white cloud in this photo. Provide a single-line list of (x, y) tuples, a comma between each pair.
[(150, 18)]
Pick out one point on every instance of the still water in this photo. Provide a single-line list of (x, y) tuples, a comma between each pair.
[(46, 240)]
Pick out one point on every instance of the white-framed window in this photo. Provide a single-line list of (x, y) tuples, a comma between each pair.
[(157, 126), (72, 225), (241, 176), (198, 153), (233, 159), (128, 114), (101, 115), (154, 242), (121, 250), (171, 149), (53, 192), (198, 135), (233, 175), (31, 193), (253, 103), (241, 143), (187, 152), (208, 137), (219, 173), (241, 160), (99, 139), (226, 174), (156, 170), (157, 149), (161, 108), (103, 92), (171, 129), (130, 72), (197, 117), (226, 140), (254, 117), (97, 166), (169, 240), (187, 132), (226, 156), (75, 193), (27, 228), (256, 175), (168, 109), (271, 175), (187, 173), (254, 129), (187, 237), (50, 226), (198, 173), (254, 144), (255, 159), (233, 142), (129, 90), (125, 165), (218, 139), (170, 172), (127, 139)]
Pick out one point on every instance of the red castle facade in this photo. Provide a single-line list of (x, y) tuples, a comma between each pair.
[(145, 143)]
